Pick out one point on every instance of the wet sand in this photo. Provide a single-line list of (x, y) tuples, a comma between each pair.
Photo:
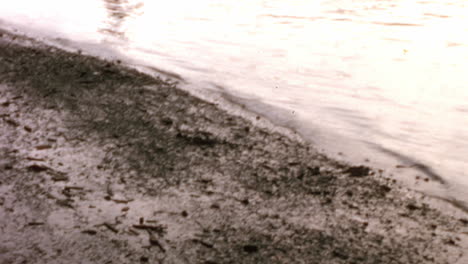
[(103, 164)]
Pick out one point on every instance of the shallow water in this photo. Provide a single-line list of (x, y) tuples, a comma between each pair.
[(377, 80)]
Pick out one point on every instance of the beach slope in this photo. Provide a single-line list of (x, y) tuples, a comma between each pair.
[(102, 164)]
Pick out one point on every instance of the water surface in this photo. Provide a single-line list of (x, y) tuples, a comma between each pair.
[(382, 81)]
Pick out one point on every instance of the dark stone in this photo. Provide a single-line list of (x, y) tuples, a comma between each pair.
[(314, 170), (184, 213), (358, 171), (250, 249), (202, 139), (89, 232), (412, 207), (339, 254), (385, 188), (450, 242), (166, 121), (37, 168), (12, 122)]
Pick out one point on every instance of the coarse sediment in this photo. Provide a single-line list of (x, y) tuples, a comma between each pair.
[(102, 164)]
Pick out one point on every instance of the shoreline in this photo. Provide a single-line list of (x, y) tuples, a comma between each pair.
[(103, 164)]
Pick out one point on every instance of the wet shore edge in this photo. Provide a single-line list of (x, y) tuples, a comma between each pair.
[(100, 163)]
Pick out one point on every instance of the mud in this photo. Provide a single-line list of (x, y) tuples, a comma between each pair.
[(103, 164)]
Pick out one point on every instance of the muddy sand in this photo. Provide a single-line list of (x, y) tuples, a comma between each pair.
[(102, 164)]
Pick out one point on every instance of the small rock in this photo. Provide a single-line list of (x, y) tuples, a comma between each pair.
[(89, 232), (250, 249), (42, 147), (340, 254), (412, 207), (450, 242), (144, 259), (358, 171), (184, 213), (385, 188), (37, 168), (314, 170), (327, 200), (166, 121), (12, 122)]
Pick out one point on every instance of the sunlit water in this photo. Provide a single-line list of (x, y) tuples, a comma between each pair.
[(377, 80)]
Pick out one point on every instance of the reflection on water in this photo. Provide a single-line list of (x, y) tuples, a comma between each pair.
[(118, 11), (383, 80)]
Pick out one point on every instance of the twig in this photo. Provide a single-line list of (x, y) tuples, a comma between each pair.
[(110, 227), (122, 201), (35, 223), (159, 229)]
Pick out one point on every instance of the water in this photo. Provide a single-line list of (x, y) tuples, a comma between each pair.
[(377, 80)]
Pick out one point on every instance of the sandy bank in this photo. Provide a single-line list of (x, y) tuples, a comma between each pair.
[(102, 164)]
